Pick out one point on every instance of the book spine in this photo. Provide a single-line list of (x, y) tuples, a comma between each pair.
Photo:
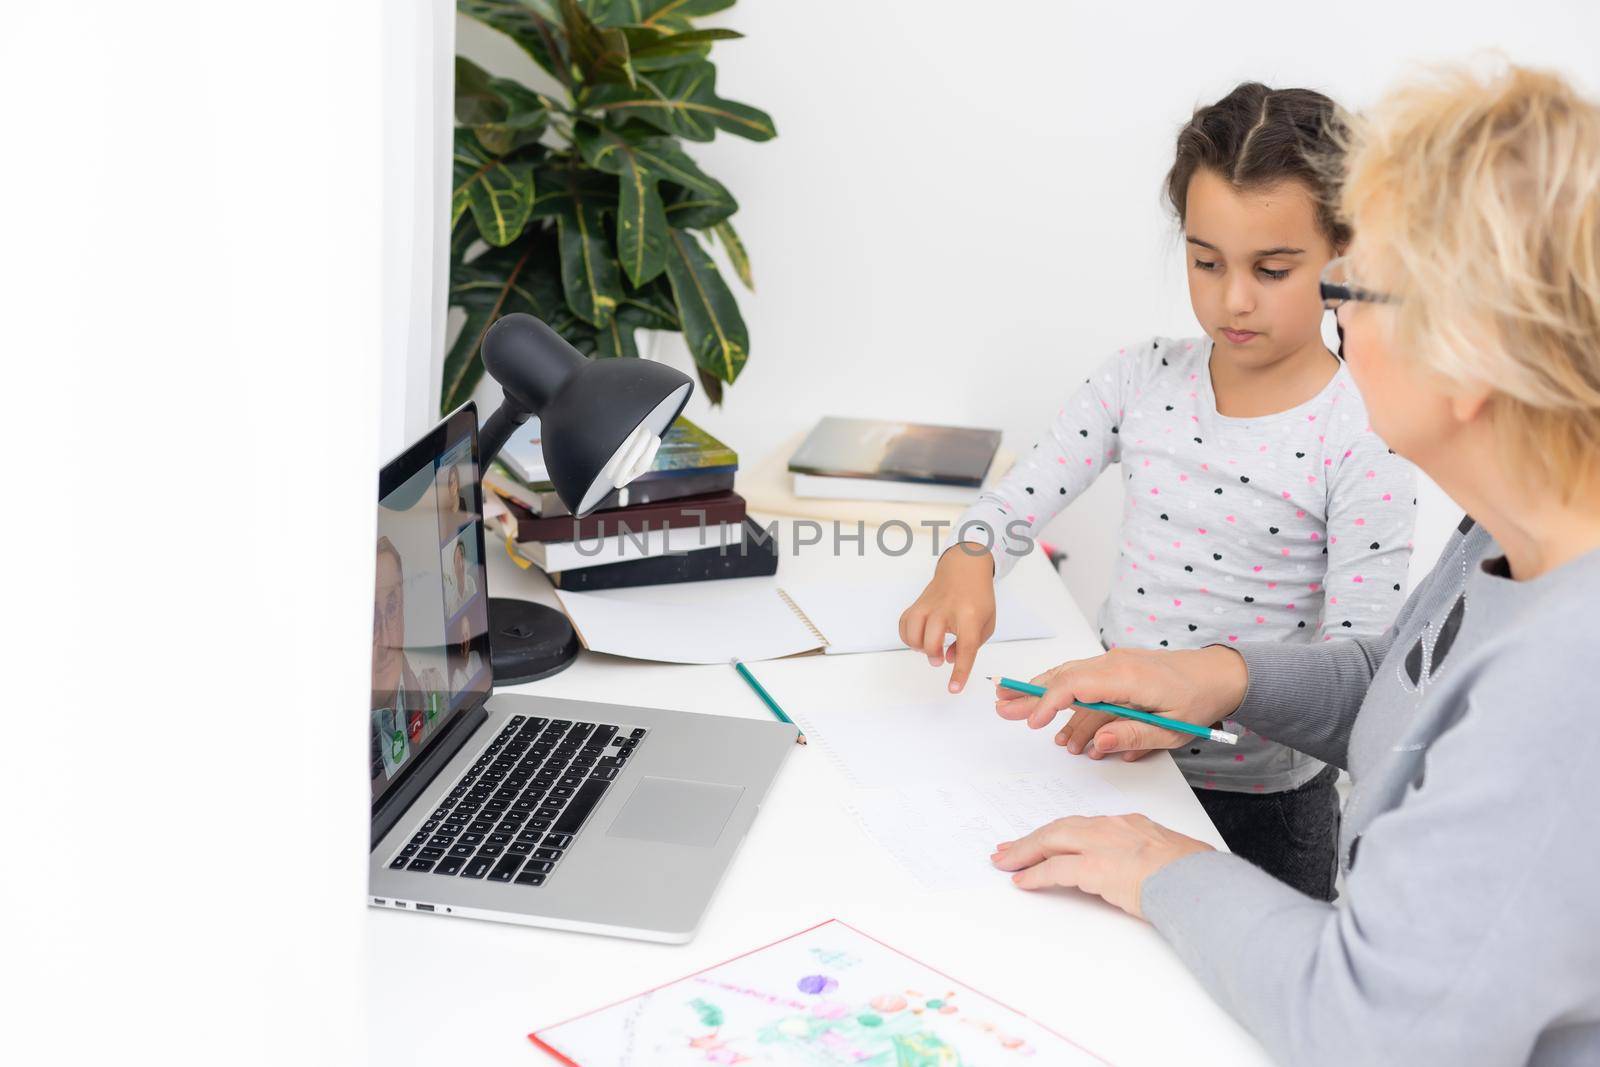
[(729, 508), (693, 483), (750, 558)]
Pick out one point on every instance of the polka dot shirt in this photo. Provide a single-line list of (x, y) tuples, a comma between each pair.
[(1294, 526)]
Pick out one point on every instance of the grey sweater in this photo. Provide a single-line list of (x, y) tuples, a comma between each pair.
[(1469, 928)]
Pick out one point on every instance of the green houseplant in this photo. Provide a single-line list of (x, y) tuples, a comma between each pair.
[(581, 207)]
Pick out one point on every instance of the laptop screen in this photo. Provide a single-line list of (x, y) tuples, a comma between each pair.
[(430, 640)]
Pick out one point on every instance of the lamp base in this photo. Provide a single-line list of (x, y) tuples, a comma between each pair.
[(528, 641)]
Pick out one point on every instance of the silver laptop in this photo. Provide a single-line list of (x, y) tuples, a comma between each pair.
[(605, 818)]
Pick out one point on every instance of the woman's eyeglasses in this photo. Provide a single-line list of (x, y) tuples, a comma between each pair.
[(1337, 287)]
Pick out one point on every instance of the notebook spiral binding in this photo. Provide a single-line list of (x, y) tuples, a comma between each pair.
[(818, 634), (814, 741)]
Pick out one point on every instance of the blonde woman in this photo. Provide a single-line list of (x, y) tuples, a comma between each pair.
[(1469, 927)]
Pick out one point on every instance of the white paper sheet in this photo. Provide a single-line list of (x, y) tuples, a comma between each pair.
[(940, 783), (865, 617), (950, 739), (943, 833), (827, 997), (711, 622), (753, 625)]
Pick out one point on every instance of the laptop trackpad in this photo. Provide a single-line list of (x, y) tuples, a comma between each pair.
[(676, 811)]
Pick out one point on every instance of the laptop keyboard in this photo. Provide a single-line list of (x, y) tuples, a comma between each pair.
[(514, 813)]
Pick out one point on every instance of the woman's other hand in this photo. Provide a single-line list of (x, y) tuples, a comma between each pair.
[(1107, 855)]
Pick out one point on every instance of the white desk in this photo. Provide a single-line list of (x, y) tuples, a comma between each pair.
[(456, 991)]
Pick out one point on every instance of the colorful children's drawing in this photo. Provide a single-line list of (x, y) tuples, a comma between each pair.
[(833, 960), (829, 996), (817, 983)]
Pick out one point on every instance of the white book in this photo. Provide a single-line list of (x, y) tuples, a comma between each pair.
[(597, 551), (523, 453), (829, 488)]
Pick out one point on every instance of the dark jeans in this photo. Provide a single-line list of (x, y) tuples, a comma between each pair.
[(1293, 835)]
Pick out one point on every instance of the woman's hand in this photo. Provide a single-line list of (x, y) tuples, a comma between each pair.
[(959, 600), (1107, 855), (1201, 686)]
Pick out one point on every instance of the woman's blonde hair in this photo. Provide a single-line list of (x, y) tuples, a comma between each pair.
[(1475, 197)]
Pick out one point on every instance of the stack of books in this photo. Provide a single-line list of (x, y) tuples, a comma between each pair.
[(679, 521), (869, 459)]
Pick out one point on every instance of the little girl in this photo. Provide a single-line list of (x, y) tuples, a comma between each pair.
[(1259, 504)]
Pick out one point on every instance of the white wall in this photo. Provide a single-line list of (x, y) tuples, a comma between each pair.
[(190, 288), (417, 57), (961, 212)]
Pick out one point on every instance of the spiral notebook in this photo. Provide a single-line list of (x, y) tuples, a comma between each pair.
[(699, 625)]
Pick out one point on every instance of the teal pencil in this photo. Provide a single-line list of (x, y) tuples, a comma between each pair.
[(766, 698), (1128, 713)]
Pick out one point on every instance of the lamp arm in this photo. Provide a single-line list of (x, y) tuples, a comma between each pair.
[(498, 430)]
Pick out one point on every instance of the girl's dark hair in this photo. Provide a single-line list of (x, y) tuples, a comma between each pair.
[(1255, 136)]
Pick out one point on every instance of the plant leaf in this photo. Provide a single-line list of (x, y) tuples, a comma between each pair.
[(589, 274), (503, 113), (647, 308), (475, 101), (601, 55), (641, 216), (533, 25), (641, 228), (461, 239), (710, 385), (672, 164), (499, 194), (736, 252), (651, 49), (521, 277), (668, 101), (661, 14), (641, 219), (710, 316), (708, 198), (559, 188), (742, 120), (653, 305), (687, 209), (682, 101), (617, 338), (645, 41)]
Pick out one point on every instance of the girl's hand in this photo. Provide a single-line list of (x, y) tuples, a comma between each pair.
[(959, 600), (1201, 686), (1107, 855)]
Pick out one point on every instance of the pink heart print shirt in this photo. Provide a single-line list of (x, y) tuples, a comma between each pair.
[(1294, 526)]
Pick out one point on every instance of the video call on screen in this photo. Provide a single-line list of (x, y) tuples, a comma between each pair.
[(430, 612)]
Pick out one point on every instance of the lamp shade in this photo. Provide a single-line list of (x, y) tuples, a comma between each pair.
[(600, 419)]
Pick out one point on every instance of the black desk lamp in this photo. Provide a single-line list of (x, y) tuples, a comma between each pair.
[(601, 421)]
